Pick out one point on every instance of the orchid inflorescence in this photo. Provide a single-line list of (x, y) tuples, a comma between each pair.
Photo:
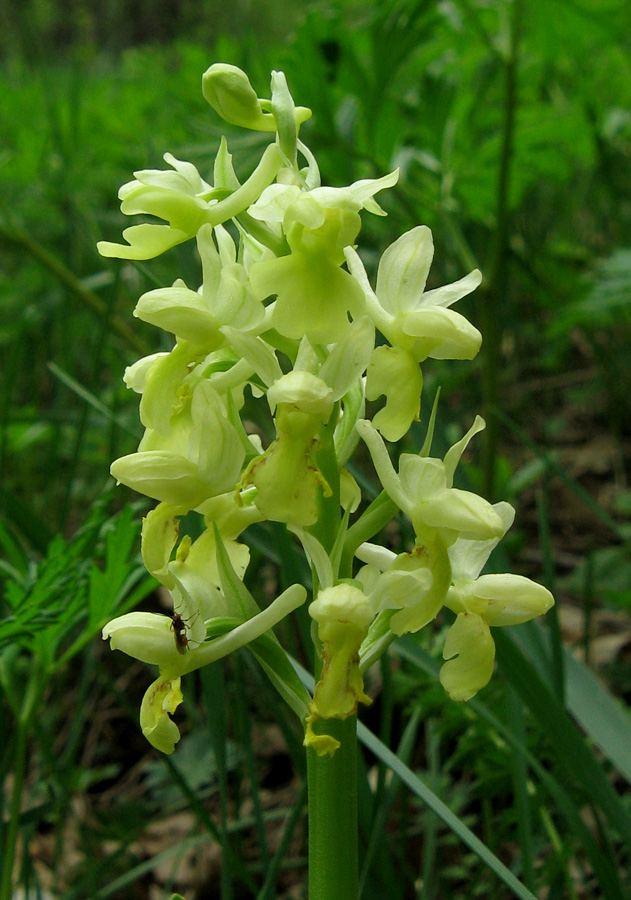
[(286, 310)]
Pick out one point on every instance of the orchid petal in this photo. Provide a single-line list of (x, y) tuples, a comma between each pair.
[(403, 270), (394, 372), (470, 652), (161, 698)]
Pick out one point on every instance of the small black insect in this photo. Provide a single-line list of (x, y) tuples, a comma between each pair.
[(180, 631)]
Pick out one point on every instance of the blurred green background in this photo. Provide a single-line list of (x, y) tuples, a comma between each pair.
[(510, 121)]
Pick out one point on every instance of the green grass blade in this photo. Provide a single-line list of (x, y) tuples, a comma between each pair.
[(116, 887), (91, 400), (25, 519), (16, 235), (572, 752), (404, 752), (519, 772), (213, 692), (602, 717), (267, 890), (242, 716), (420, 790), (553, 617), (556, 468)]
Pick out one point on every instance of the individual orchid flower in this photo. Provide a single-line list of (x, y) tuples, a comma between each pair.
[(193, 577), (150, 638), (400, 582), (225, 297), (167, 382), (481, 602), (183, 467), (417, 323), (286, 476), (178, 644), (180, 197), (439, 513), (185, 201), (423, 490), (314, 295), (343, 614)]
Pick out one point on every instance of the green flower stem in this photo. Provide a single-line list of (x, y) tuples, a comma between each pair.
[(250, 190), (333, 867), (264, 234), (379, 513), (332, 809)]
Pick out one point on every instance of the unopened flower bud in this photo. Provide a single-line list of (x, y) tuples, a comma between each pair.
[(229, 92)]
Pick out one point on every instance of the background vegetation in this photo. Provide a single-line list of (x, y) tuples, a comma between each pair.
[(511, 123)]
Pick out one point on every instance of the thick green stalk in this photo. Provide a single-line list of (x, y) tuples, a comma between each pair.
[(332, 780), (332, 787), (379, 513)]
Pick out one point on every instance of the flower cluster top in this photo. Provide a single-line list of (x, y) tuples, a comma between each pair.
[(286, 311)]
